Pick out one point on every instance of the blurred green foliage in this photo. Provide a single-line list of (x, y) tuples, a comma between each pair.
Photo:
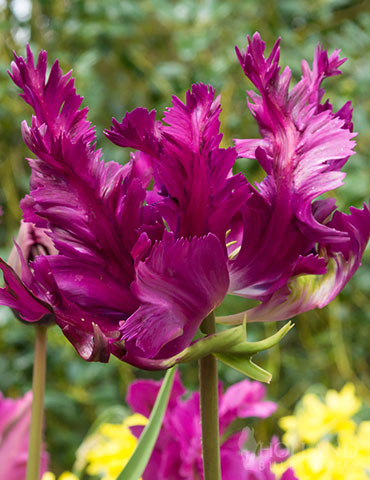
[(132, 53)]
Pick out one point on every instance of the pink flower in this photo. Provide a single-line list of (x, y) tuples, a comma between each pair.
[(177, 454), (15, 418)]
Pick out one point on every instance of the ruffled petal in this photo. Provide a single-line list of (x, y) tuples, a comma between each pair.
[(305, 292), (242, 400), (192, 186), (304, 143), (178, 285), (270, 249), (303, 147), (93, 209), (138, 130), (142, 394)]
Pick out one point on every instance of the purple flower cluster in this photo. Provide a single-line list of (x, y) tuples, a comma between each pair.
[(147, 250), (177, 453)]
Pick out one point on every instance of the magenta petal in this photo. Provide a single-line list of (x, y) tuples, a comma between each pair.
[(138, 130), (179, 284), (194, 189), (95, 213), (153, 327), (92, 347), (92, 288), (270, 248), (141, 394), (177, 454), (304, 143), (91, 333), (245, 399), (357, 226), (305, 292), (194, 170), (289, 475), (93, 209), (232, 464)]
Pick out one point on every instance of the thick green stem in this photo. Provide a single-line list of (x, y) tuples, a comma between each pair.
[(37, 413), (208, 379)]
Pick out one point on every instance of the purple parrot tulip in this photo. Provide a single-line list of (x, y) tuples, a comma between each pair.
[(15, 418), (147, 250)]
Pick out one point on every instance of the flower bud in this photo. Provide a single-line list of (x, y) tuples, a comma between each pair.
[(31, 241)]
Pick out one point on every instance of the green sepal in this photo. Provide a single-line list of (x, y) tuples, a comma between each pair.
[(239, 356), (245, 365), (232, 340), (245, 347), (217, 342), (139, 459)]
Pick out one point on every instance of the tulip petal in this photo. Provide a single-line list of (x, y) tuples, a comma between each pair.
[(193, 190), (305, 292), (179, 284), (304, 143)]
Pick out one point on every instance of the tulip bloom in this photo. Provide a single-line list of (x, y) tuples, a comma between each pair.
[(15, 418), (138, 269)]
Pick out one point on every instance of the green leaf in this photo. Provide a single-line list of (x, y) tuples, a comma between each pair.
[(139, 459)]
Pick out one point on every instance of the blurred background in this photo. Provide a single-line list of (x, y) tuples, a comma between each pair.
[(133, 53)]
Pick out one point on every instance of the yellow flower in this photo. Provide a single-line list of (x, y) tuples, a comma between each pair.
[(363, 439), (310, 464), (64, 476), (325, 462), (341, 407), (354, 447), (48, 476), (112, 447), (315, 419)]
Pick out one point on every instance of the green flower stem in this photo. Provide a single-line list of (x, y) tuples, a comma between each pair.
[(37, 413), (208, 379)]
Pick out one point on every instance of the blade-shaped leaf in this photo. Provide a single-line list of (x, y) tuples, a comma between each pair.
[(137, 463)]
